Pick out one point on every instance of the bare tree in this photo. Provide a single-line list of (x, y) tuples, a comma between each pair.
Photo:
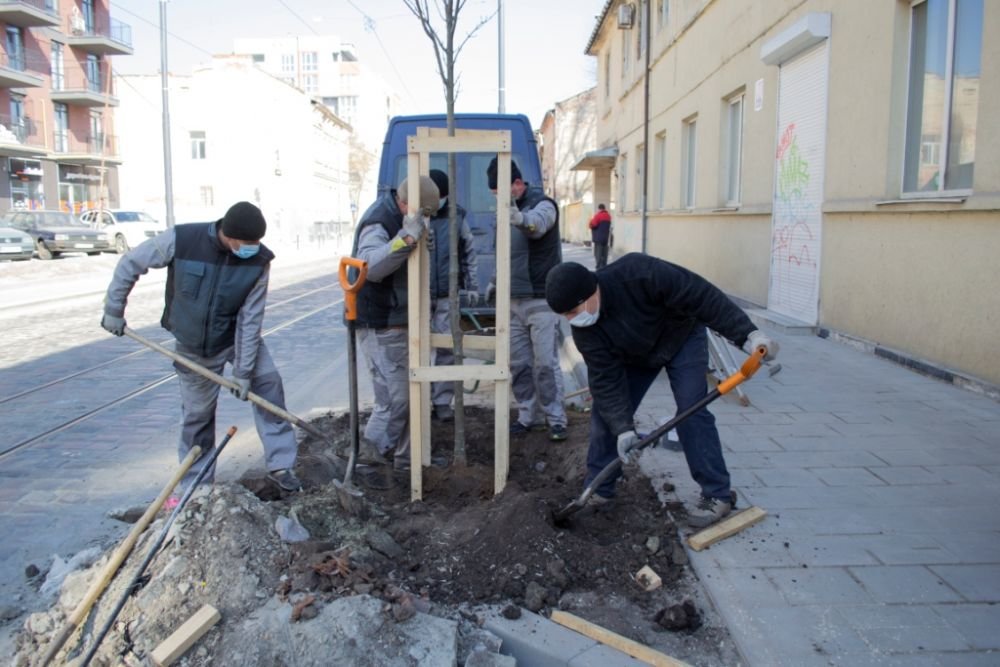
[(441, 30), (361, 161)]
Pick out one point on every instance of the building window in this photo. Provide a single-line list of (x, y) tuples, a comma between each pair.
[(57, 67), (941, 115), (288, 63), (93, 69), (88, 15), (310, 61), (607, 74), (623, 182), (733, 146), (310, 83), (662, 12), (95, 143), (61, 113), (347, 106), (15, 48), (626, 52), (640, 22), (689, 161), (640, 177), (197, 145), (207, 195), (660, 169), (257, 58)]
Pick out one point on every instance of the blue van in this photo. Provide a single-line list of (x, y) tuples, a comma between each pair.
[(471, 191)]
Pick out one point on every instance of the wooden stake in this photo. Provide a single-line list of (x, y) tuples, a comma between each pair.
[(614, 640), (731, 525), (185, 636)]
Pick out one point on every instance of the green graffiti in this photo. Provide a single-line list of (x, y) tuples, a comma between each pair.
[(793, 173)]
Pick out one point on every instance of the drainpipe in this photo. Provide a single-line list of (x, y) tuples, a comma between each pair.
[(645, 128)]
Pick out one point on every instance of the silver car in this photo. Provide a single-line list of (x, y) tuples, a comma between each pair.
[(56, 232), (15, 244)]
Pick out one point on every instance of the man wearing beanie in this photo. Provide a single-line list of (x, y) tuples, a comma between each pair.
[(535, 248), (630, 320), (217, 275), (386, 235), (442, 393)]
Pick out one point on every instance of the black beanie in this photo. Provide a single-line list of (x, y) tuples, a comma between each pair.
[(441, 180), (491, 173), (568, 285), (244, 222)]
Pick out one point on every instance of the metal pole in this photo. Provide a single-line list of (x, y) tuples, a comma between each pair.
[(501, 84), (168, 192), (645, 128)]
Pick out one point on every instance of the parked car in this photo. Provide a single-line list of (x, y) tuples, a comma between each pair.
[(125, 229), (56, 232), (15, 244)]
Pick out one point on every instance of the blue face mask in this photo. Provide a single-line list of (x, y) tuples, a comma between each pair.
[(442, 202), (246, 251)]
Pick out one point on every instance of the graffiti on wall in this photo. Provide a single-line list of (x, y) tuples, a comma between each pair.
[(793, 231)]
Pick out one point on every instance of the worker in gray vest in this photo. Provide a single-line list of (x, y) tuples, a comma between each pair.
[(217, 276), (442, 393), (387, 234), (535, 248)]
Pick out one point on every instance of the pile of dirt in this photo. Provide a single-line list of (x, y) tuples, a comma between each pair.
[(448, 556)]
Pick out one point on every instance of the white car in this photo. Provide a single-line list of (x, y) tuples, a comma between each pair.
[(125, 229)]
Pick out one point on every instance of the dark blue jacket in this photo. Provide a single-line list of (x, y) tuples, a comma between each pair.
[(648, 309)]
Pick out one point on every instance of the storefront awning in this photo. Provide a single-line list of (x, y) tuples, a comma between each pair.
[(603, 158)]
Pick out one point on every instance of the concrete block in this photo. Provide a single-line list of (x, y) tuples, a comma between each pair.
[(978, 623), (537, 641), (604, 656), (847, 477), (977, 583), (904, 584), (818, 586)]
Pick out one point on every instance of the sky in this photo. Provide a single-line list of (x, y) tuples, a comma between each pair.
[(545, 40)]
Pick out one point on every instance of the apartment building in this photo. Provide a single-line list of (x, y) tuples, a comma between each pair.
[(58, 146), (829, 160)]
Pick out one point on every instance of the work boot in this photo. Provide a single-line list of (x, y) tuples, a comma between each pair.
[(557, 433), (517, 428), (285, 479), (444, 413), (710, 510), (369, 454)]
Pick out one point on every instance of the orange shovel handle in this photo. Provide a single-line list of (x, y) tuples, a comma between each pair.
[(351, 289), (749, 367)]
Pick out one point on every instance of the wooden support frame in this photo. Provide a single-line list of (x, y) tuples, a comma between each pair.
[(422, 373)]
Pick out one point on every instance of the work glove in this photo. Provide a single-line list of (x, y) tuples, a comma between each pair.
[(758, 338), (413, 226), (471, 298), (242, 390), (113, 324), (517, 219), (490, 292), (626, 442)]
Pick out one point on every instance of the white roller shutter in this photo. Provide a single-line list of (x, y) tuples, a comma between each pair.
[(796, 221)]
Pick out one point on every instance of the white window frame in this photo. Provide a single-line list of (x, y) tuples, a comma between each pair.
[(732, 145), (689, 163), (199, 148), (662, 13), (943, 148), (640, 22), (310, 61), (607, 75), (660, 169), (640, 175), (626, 53)]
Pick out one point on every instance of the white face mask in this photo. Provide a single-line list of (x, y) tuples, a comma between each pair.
[(442, 202), (585, 318)]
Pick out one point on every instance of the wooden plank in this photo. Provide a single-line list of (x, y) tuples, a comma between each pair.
[(483, 141), (469, 342), (416, 282), (455, 373), (185, 636), (614, 640), (731, 525), (501, 453)]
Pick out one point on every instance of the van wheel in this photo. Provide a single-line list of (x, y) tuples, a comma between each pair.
[(43, 252), (121, 245)]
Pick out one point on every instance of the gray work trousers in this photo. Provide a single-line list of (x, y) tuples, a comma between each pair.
[(386, 355), (536, 376), (199, 396), (442, 392)]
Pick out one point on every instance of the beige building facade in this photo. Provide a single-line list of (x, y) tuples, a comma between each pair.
[(830, 160)]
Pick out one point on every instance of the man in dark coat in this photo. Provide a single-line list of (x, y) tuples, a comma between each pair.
[(600, 235), (630, 320)]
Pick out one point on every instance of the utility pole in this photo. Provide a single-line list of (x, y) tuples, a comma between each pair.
[(168, 193), (501, 86)]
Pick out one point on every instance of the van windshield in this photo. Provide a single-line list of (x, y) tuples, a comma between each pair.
[(471, 185)]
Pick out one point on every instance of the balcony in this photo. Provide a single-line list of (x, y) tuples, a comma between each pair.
[(22, 70), (84, 91), (19, 137), (113, 40), (90, 151), (29, 13)]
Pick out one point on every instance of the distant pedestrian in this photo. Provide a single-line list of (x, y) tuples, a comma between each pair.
[(535, 248), (442, 393), (217, 277), (638, 316), (388, 232), (600, 235)]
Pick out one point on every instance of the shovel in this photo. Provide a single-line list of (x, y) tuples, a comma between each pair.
[(746, 371)]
